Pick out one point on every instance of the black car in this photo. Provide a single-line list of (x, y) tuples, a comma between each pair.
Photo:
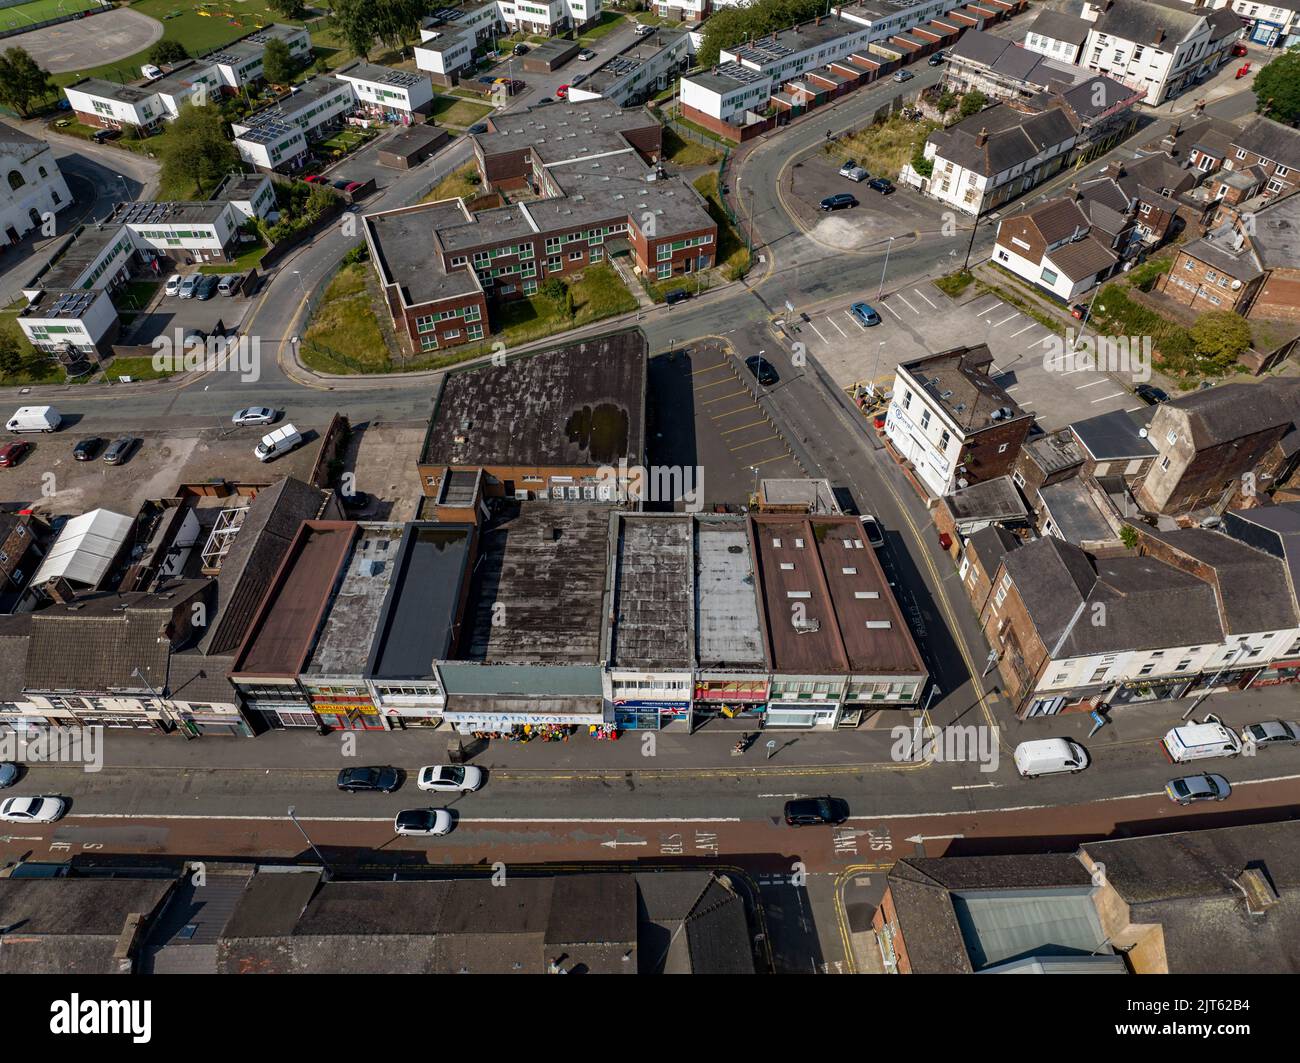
[(521, 49), (762, 370), (356, 502), (815, 811), (883, 185), (1150, 394), (87, 449), (677, 295), (119, 450), (937, 59), (368, 780), (839, 201), (207, 286), (478, 127), (545, 100)]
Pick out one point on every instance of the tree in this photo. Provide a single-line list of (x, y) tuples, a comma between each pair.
[(355, 22), (947, 101), (22, 80), (1277, 88), (196, 151), (288, 8), (166, 51), (973, 102), (277, 62), (397, 21), (12, 360), (1220, 337), (735, 25)]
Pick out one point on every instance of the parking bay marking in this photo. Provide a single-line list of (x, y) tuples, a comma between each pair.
[(909, 306), (732, 431), (1118, 394), (755, 443), (818, 331), (831, 321), (724, 398), (1010, 317), (922, 295)]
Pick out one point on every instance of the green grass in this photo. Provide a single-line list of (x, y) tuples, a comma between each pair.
[(450, 111), (598, 294), (733, 252), (608, 22), (693, 283), (25, 15), (141, 368), (38, 368), (459, 184), (684, 153), (882, 149), (955, 283), (345, 322), (135, 295), (246, 260)]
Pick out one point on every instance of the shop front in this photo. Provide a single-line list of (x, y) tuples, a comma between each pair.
[(647, 714), (1287, 671), (1142, 691), (730, 698), (354, 714), (524, 718), (808, 715)]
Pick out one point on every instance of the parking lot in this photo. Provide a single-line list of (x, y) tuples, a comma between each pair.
[(703, 414), (920, 320), (876, 218), (165, 313)]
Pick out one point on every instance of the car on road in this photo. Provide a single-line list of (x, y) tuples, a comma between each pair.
[(586, 55), (872, 530), (189, 285), (677, 295), (1150, 394), (87, 449), (883, 185), (423, 822), (173, 285), (120, 450), (449, 777), (255, 415), (937, 59), (369, 780), (8, 775), (839, 201), (478, 127), (1193, 788), (762, 370), (903, 75), (853, 171), (544, 101), (12, 453), (865, 314), (562, 93), (1271, 733), (815, 811), (315, 179), (520, 49), (32, 809), (207, 287)]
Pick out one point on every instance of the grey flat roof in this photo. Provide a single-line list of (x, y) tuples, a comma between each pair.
[(343, 646), (404, 242), (727, 631), (1075, 514), (421, 618), (1115, 435), (652, 613), (88, 246), (111, 90), (995, 499), (537, 596)]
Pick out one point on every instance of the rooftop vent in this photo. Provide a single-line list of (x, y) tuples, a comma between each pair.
[(1259, 891)]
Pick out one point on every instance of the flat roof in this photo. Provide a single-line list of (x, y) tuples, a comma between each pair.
[(1076, 516), (1115, 435), (536, 597), (89, 244), (775, 47), (111, 90), (421, 621), (404, 240), (343, 647), (381, 75), (582, 404), (651, 617), (190, 212), (727, 631), (285, 627), (632, 58)]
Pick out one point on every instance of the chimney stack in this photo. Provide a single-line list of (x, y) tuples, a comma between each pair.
[(1076, 193), (982, 138), (1115, 168), (60, 590), (1160, 35)]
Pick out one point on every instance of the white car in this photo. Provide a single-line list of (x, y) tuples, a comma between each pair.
[(1271, 733), (255, 415), (872, 530), (173, 285), (423, 822), (32, 809), (449, 777)]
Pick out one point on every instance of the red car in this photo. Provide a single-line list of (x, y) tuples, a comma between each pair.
[(314, 179), (12, 453), (351, 186), (1238, 50), (562, 93)]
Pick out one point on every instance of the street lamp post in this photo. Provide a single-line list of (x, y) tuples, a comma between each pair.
[(162, 704), (304, 833), (970, 246), (871, 384), (881, 294)]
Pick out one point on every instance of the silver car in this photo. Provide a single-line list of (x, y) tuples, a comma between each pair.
[(1271, 733), (449, 777), (189, 286), (32, 809), (1191, 788), (255, 415)]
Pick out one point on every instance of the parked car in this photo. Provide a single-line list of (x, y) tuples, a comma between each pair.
[(423, 821), (207, 286), (478, 127), (352, 186), (340, 184), (839, 201), (579, 80), (1238, 50), (230, 284), (255, 415), (450, 777), (1150, 394), (854, 172), (677, 295), (486, 80), (151, 72), (586, 55), (100, 136), (120, 450), (865, 314), (641, 29), (883, 185), (762, 370), (520, 49), (314, 179), (937, 59), (369, 780), (544, 101), (189, 285), (903, 75), (815, 811), (277, 443), (1271, 733), (12, 453), (87, 449), (8, 775), (1192, 788), (872, 530), (1049, 756), (173, 285), (32, 809), (1079, 311)]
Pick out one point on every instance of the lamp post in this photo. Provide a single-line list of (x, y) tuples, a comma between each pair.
[(304, 833), (881, 294), (871, 384), (162, 704), (1226, 666)]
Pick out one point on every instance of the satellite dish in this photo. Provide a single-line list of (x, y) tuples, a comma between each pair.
[(1142, 432)]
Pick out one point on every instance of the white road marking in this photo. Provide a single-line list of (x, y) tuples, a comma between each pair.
[(892, 311), (1011, 388), (1091, 384), (922, 295), (817, 330), (1118, 394), (909, 306), (978, 786), (1011, 317), (992, 306), (831, 321), (1025, 329)]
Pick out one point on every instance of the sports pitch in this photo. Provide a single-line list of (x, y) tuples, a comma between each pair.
[(38, 11)]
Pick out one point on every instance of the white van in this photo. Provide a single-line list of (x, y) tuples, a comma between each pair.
[(34, 419), (276, 443), (1198, 741), (1050, 756)]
